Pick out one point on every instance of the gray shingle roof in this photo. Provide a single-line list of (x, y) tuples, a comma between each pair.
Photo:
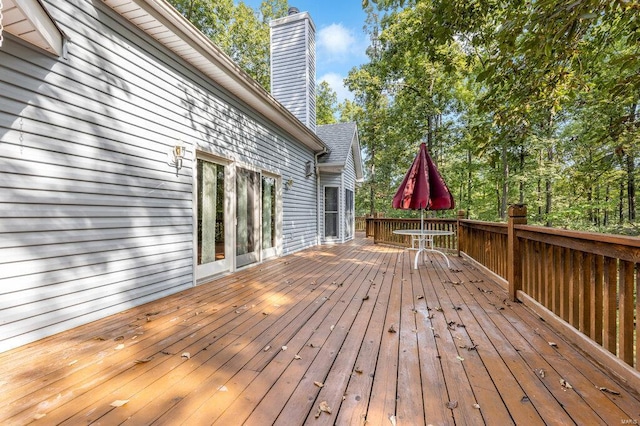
[(338, 137)]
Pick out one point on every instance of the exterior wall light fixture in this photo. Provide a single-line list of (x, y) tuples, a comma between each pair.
[(175, 156)]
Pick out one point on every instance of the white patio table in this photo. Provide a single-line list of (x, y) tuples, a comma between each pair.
[(422, 241)]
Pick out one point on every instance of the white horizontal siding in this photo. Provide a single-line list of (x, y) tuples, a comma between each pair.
[(92, 218)]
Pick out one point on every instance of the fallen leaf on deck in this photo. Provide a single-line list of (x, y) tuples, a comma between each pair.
[(420, 297), (118, 338), (525, 399), (366, 297), (460, 358), (266, 348), (332, 327), (101, 339), (476, 406), (119, 402), (284, 348), (451, 325), (392, 329), (324, 407), (473, 347), (457, 308), (553, 344), (392, 419), (222, 388), (611, 391), (358, 370), (565, 384), (38, 416), (186, 355), (541, 373), (143, 361), (120, 346), (297, 357), (72, 362), (319, 384), (452, 404), (438, 308)]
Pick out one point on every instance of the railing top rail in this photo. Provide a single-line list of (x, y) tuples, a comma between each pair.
[(483, 223), (398, 219), (582, 235)]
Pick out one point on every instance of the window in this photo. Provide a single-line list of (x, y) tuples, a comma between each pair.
[(348, 213), (331, 211), (210, 212)]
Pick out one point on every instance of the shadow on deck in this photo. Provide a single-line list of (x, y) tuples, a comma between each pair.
[(335, 334)]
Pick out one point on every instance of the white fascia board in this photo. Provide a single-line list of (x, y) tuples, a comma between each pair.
[(49, 37)]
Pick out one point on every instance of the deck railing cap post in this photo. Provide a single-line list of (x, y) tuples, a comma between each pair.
[(517, 211), (517, 216)]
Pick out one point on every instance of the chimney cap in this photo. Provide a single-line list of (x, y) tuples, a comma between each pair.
[(293, 10)]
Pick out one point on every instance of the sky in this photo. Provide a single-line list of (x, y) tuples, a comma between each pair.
[(340, 40)]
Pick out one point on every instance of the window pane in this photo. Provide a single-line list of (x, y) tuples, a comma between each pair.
[(348, 212), (246, 186), (210, 212), (331, 199), (331, 224), (268, 212)]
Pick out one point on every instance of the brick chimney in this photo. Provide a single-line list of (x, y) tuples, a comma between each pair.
[(293, 65)]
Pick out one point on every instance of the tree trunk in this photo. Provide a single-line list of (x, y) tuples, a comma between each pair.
[(548, 190), (469, 178), (621, 204), (631, 169), (505, 185)]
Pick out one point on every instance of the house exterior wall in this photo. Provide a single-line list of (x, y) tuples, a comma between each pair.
[(93, 220)]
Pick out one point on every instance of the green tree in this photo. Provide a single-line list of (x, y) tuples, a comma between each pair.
[(326, 104), (240, 31)]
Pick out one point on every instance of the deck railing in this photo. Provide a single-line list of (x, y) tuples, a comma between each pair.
[(361, 223), (382, 231), (586, 282)]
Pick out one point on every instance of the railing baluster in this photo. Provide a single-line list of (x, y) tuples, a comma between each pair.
[(626, 307)]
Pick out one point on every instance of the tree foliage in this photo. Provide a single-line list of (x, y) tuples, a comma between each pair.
[(520, 102), (239, 30)]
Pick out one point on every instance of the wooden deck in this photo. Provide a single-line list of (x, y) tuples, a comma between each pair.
[(348, 327)]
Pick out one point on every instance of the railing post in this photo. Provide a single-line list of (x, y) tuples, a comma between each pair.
[(517, 216), (461, 215)]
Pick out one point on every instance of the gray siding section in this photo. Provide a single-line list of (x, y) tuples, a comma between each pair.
[(349, 183), (92, 218), (293, 69)]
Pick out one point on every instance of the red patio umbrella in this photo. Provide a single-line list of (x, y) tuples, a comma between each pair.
[(423, 187)]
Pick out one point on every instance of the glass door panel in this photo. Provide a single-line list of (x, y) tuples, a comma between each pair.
[(269, 219), (247, 216), (210, 251)]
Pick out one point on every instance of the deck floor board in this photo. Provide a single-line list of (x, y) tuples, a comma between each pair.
[(352, 326)]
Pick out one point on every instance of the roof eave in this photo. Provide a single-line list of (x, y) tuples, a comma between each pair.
[(33, 24), (200, 52)]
